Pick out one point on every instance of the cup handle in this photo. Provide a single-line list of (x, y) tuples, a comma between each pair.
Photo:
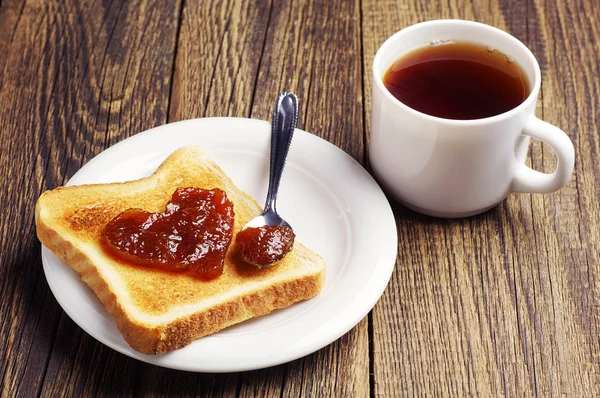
[(528, 180)]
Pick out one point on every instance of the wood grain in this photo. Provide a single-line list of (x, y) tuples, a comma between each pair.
[(302, 54), (78, 76), (234, 64), (505, 303)]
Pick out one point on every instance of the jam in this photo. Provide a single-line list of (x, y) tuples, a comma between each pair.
[(265, 245), (193, 233)]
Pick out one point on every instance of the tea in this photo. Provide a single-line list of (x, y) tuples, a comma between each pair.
[(457, 80)]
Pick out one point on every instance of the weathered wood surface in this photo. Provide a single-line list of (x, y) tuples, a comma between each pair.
[(505, 303)]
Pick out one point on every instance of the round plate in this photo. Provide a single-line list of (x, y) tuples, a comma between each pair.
[(336, 208)]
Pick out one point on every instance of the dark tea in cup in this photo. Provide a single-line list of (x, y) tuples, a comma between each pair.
[(467, 160), (457, 80)]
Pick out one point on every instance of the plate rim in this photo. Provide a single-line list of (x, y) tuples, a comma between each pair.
[(338, 332)]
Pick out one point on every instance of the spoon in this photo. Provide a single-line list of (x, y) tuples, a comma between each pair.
[(285, 117)]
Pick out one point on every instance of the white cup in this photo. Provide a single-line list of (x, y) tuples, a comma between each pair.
[(458, 168)]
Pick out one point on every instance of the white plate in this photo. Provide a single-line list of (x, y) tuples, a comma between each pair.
[(334, 205)]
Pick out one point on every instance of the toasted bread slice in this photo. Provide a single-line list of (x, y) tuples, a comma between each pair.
[(159, 311)]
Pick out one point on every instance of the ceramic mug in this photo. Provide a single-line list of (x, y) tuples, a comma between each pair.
[(458, 168)]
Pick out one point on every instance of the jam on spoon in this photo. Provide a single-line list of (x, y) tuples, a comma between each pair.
[(266, 239), (264, 245)]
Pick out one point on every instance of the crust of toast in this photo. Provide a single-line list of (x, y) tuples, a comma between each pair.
[(157, 311)]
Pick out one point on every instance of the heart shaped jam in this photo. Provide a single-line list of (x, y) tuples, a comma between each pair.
[(194, 232)]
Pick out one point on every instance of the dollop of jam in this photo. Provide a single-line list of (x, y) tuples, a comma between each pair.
[(194, 232), (265, 245)]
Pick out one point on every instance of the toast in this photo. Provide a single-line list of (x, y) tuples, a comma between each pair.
[(159, 311)]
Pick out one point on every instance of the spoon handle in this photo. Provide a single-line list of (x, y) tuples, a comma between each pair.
[(285, 117)]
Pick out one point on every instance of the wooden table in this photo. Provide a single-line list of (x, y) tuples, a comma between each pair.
[(505, 303)]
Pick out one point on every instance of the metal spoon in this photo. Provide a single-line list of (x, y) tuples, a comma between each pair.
[(285, 117)]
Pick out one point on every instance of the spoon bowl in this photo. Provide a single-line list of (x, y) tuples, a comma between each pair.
[(267, 218)]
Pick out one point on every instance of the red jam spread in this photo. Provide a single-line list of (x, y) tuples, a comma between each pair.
[(264, 245), (194, 232)]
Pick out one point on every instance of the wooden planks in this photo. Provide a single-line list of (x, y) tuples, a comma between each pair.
[(76, 77), (219, 51), (301, 54), (234, 64), (505, 303), (571, 229)]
